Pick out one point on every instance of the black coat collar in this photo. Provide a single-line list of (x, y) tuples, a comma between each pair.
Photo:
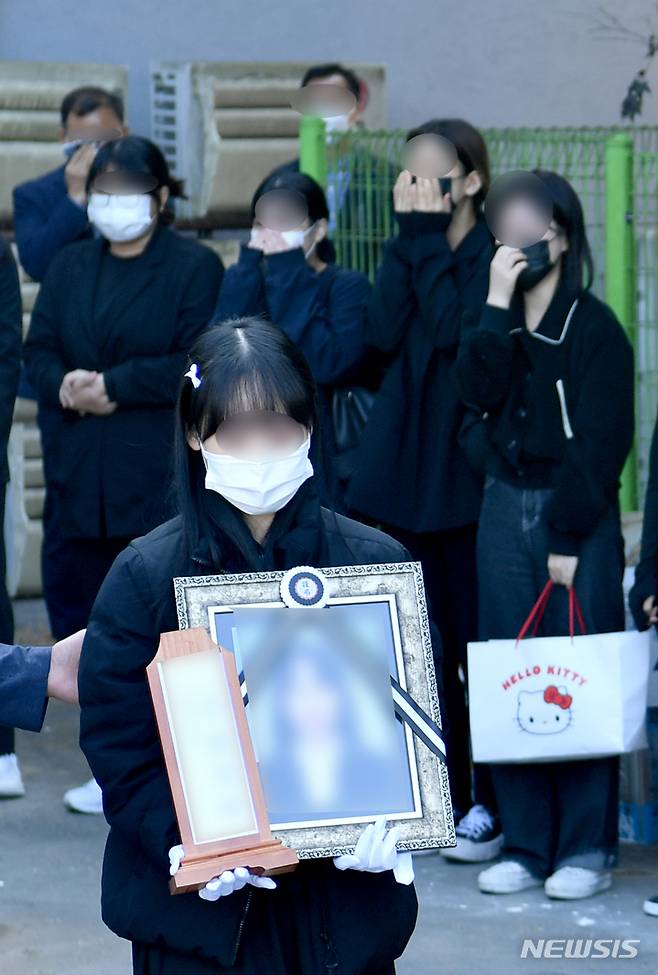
[(552, 324), (476, 240), (155, 253)]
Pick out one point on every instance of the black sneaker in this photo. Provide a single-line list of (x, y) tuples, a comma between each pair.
[(478, 837), (650, 906)]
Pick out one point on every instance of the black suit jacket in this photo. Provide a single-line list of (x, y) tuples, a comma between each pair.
[(45, 220), (110, 475), (10, 348), (24, 686)]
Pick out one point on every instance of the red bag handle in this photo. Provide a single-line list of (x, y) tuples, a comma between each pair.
[(536, 614), (575, 610)]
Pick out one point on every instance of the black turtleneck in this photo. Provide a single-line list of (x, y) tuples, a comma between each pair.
[(294, 537)]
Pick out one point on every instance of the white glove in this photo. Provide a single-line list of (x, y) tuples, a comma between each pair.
[(222, 886), (376, 852)]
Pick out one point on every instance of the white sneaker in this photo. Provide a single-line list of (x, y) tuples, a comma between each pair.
[(573, 883), (506, 877), (650, 906), (11, 781), (478, 837), (87, 798)]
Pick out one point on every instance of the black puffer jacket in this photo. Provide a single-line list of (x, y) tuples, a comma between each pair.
[(358, 920)]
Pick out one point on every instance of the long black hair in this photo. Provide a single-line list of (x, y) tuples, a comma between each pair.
[(133, 154), (577, 263), (313, 194), (470, 146), (244, 364)]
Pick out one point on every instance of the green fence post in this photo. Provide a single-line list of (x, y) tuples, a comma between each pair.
[(313, 148), (620, 264)]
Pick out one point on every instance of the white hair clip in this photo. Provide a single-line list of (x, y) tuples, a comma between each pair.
[(193, 374)]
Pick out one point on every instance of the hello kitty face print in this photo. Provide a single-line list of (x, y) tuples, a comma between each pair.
[(546, 712)]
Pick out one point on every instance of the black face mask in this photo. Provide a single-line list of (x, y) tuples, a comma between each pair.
[(445, 185), (539, 265)]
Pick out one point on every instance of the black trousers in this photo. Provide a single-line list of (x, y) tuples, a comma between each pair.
[(72, 570), (7, 743), (553, 814), (449, 566)]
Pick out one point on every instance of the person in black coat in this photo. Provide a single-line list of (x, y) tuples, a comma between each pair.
[(290, 278), (549, 376), (412, 476), (642, 598), (11, 319), (110, 330), (248, 390), (51, 211)]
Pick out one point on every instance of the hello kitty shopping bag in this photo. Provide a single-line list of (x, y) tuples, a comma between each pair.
[(558, 698)]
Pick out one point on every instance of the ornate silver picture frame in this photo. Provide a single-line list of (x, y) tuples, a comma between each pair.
[(369, 631)]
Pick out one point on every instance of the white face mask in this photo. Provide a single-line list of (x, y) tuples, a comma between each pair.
[(337, 123), (70, 148), (293, 238), (120, 218), (258, 487)]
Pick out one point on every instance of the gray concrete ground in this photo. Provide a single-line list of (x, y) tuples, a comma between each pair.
[(50, 867)]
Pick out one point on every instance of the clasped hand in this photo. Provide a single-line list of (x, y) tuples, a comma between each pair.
[(84, 390)]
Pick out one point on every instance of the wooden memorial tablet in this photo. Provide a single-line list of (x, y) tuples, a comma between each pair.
[(210, 761)]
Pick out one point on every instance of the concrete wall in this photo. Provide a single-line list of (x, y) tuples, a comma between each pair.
[(496, 62)]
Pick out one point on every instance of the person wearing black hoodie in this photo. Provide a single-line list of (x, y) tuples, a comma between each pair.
[(412, 476), (549, 377)]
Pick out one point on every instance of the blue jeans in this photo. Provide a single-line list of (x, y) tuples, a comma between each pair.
[(553, 814)]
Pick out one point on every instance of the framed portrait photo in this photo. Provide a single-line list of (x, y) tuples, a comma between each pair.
[(337, 677)]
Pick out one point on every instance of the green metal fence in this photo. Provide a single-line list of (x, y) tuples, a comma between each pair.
[(615, 173)]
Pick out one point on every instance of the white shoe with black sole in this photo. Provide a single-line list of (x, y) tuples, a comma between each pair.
[(507, 877), (576, 883), (478, 837)]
